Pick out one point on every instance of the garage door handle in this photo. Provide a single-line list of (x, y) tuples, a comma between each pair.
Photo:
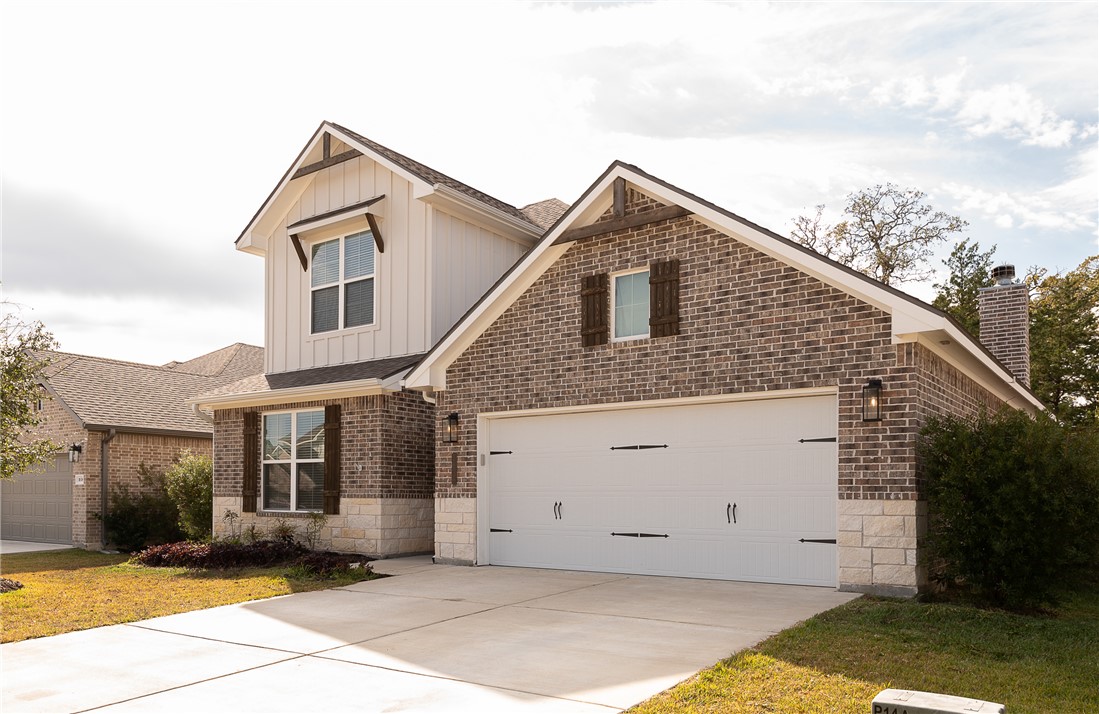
[(556, 510), (730, 513)]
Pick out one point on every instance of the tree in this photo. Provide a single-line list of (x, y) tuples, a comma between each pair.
[(20, 376), (190, 484), (1064, 341), (970, 270), (888, 233)]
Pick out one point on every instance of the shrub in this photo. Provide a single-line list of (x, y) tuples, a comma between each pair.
[(220, 554), (1013, 503), (190, 483), (148, 517)]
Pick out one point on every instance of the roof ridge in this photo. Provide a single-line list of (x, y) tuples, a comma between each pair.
[(77, 355), (429, 174)]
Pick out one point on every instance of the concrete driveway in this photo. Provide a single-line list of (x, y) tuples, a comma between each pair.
[(433, 639)]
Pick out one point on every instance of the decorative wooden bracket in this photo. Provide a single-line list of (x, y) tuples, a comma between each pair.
[(327, 159), (634, 220), (619, 197), (323, 219)]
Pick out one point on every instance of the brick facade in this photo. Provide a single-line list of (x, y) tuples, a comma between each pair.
[(387, 460), (748, 324), (126, 452)]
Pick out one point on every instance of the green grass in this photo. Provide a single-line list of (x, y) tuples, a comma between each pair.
[(838, 661), (67, 590)]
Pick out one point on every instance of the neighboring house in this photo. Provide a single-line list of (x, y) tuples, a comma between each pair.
[(111, 417), (654, 385), (369, 257), (662, 387)]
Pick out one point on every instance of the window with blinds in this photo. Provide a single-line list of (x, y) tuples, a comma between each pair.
[(342, 283)]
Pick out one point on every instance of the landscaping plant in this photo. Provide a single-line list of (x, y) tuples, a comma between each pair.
[(1013, 504), (148, 517), (190, 484)]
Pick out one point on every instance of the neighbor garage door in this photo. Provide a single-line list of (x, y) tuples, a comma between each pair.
[(38, 506), (735, 490)]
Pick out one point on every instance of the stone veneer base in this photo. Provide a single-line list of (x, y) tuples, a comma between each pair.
[(877, 544), (456, 531), (377, 527)]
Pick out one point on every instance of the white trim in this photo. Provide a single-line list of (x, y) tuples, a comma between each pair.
[(672, 402), (309, 393), (613, 287), (909, 317), (293, 461)]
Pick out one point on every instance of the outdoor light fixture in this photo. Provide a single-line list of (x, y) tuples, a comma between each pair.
[(871, 401), (74, 453), (450, 429)]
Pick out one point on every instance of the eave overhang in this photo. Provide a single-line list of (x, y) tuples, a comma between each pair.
[(305, 393), (912, 319), (254, 238)]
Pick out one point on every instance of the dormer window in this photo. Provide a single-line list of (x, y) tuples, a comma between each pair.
[(342, 282)]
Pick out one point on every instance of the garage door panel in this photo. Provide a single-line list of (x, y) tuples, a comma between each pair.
[(38, 505), (747, 453)]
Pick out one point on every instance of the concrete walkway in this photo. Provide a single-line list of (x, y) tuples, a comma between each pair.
[(432, 639), (23, 546)]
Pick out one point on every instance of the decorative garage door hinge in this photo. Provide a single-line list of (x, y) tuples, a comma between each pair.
[(826, 438), (638, 447), (497, 453), (641, 535), (817, 540), (499, 530)]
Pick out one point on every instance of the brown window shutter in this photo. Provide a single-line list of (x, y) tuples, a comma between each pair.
[(664, 298), (594, 325), (251, 462), (332, 459)]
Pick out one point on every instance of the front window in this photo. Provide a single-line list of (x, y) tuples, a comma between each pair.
[(630, 309), (342, 282), (293, 461)]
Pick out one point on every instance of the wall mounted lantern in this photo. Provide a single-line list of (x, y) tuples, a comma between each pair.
[(450, 429), (871, 401), (74, 453)]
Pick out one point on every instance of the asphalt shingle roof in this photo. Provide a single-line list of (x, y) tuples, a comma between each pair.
[(433, 177), (545, 213), (112, 393), (354, 371)]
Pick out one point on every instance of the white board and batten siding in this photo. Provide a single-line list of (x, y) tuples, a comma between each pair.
[(733, 495), (434, 267)]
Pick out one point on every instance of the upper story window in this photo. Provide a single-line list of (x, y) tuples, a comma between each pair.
[(342, 282), (630, 306), (293, 461)]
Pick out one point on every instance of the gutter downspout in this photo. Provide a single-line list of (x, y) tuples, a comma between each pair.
[(104, 465), (201, 414)]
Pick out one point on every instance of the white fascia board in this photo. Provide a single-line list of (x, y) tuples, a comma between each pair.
[(463, 206), (418, 183), (310, 393)]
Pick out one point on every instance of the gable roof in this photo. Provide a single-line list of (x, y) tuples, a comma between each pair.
[(428, 183), (112, 394), (912, 319), (545, 213)]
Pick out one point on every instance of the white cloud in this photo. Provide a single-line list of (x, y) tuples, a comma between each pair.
[(1011, 111), (1028, 210)]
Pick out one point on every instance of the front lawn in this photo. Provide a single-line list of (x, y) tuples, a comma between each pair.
[(66, 590), (839, 660)]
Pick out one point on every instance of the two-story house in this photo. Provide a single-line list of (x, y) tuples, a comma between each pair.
[(369, 258)]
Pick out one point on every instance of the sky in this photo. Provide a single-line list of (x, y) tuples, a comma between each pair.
[(137, 139)]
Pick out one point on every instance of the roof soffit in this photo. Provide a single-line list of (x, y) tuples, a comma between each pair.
[(910, 316)]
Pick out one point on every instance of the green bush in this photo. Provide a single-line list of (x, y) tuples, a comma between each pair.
[(190, 483), (148, 517), (1013, 504)]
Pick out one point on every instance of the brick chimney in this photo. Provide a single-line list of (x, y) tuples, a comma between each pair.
[(1005, 321)]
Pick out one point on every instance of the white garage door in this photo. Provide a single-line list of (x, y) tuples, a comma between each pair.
[(735, 490), (38, 505)]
